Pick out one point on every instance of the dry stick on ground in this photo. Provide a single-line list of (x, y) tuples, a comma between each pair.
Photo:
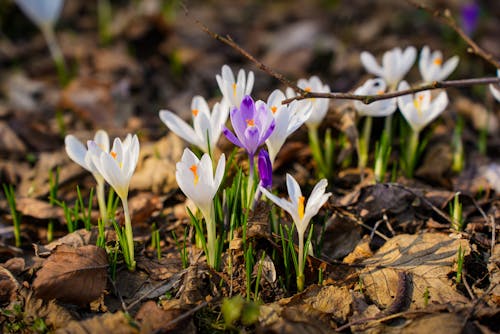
[(367, 99), (446, 18)]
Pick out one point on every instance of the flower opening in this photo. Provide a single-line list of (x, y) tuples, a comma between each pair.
[(194, 169)]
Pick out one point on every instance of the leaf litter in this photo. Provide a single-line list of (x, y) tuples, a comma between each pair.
[(388, 256)]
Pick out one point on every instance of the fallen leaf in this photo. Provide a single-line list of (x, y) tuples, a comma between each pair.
[(38, 209), (429, 259), (117, 322), (156, 166), (9, 141), (73, 275), (441, 323), (91, 100), (8, 286)]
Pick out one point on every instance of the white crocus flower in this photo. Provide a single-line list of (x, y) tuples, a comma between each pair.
[(420, 109), (118, 165), (431, 65), (207, 127), (301, 212), (395, 64), (79, 154), (288, 118), (197, 181), (117, 168), (234, 90), (494, 90), (319, 106), (375, 109), (41, 12)]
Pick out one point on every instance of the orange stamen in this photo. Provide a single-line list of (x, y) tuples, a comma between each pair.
[(113, 154), (300, 207), (273, 109), (250, 122), (194, 169), (307, 89), (195, 112), (438, 61)]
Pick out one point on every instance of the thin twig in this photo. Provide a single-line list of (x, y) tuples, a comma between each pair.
[(446, 18), (367, 99)]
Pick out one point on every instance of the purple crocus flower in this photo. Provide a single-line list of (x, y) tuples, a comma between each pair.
[(265, 169), (253, 123), (470, 17)]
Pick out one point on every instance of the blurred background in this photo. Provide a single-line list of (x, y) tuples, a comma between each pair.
[(126, 60)]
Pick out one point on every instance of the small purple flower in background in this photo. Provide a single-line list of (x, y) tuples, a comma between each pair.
[(470, 17), (265, 169), (253, 123)]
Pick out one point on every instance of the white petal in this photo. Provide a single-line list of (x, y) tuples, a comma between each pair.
[(495, 92), (76, 151), (41, 12), (409, 56), (219, 171), (249, 84), (294, 191), (370, 64), (180, 128), (423, 61), (112, 173), (281, 202), (448, 67), (102, 139)]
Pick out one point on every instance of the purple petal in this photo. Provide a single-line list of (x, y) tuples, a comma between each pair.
[(238, 122), (231, 137), (247, 108), (251, 140), (265, 169), (268, 132)]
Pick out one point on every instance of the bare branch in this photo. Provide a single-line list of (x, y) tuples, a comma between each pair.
[(367, 99), (446, 18)]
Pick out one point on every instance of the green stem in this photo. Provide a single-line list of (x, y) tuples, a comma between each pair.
[(316, 150), (411, 157), (250, 194), (102, 202), (211, 236), (300, 271), (364, 142), (128, 234), (55, 52)]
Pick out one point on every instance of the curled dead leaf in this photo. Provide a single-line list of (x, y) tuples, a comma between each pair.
[(73, 275), (427, 257)]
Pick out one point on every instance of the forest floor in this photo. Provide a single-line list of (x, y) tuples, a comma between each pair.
[(388, 256)]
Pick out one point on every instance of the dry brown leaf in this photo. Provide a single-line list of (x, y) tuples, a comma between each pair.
[(8, 286), (154, 318), (332, 300), (91, 99), (9, 141), (73, 275), (494, 270), (55, 316), (156, 166), (38, 209), (108, 323), (75, 239), (440, 323), (428, 258)]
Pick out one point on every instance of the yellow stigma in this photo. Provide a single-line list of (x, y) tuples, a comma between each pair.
[(194, 169), (418, 104), (250, 122), (234, 89), (195, 112), (300, 207), (307, 89), (273, 109), (113, 154), (438, 61), (380, 92)]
